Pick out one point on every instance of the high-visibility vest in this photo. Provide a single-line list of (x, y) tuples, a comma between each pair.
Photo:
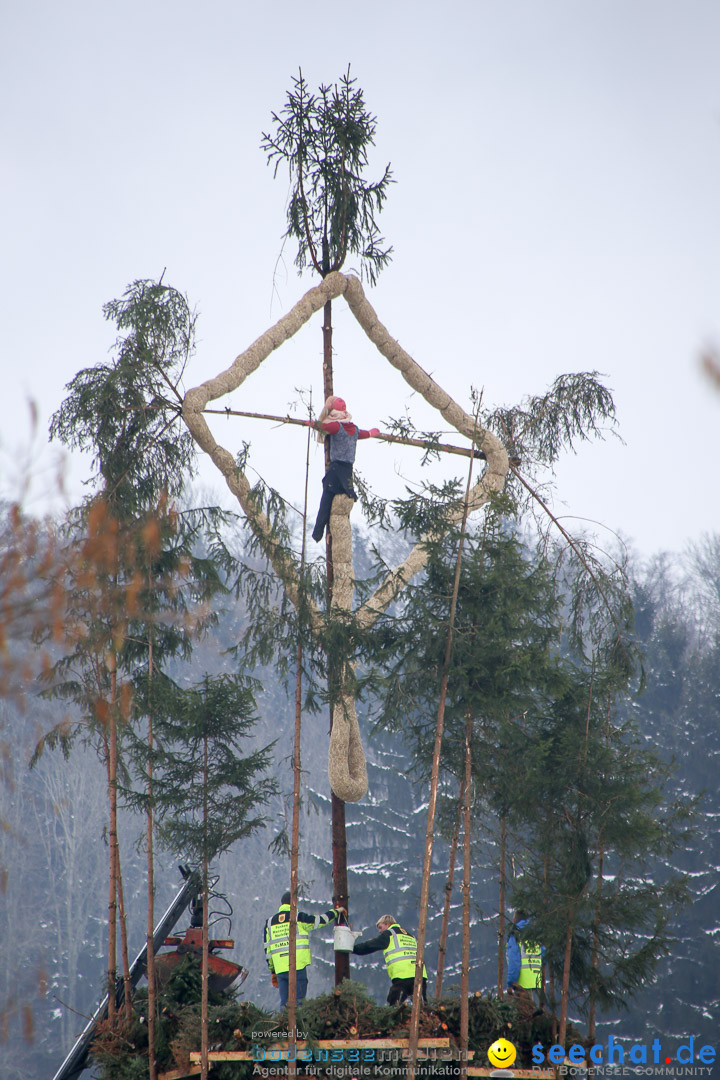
[(401, 954), (277, 942), (530, 966)]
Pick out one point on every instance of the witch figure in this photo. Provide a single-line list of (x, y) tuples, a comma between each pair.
[(336, 424)]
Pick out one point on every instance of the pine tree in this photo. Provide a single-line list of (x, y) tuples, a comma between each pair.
[(142, 573), (579, 804), (206, 795), (324, 139), (589, 807)]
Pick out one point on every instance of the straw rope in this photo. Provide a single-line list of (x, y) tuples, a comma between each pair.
[(346, 763)]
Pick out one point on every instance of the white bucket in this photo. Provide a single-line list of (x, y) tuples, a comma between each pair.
[(344, 938)]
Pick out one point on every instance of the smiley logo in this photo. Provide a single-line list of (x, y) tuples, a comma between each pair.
[(501, 1054)]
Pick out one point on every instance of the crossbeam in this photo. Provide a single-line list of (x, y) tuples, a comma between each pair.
[(405, 440)]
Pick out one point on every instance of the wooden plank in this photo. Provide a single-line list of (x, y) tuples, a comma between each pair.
[(247, 1055), (323, 1044), (523, 1074)]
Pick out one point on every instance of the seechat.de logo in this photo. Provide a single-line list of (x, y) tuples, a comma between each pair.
[(501, 1054), (616, 1054)]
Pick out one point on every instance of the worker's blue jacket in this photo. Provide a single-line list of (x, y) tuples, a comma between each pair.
[(515, 952)]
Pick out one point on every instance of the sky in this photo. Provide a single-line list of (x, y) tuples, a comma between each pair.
[(557, 168)]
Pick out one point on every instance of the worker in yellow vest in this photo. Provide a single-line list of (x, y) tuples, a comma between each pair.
[(277, 945), (524, 965), (400, 952)]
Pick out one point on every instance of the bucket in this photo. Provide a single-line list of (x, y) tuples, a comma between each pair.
[(344, 938)]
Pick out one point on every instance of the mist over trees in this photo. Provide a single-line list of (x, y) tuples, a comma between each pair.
[(580, 689), (54, 847)]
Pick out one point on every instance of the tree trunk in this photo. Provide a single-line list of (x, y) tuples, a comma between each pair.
[(565, 990), (337, 806), (465, 970), (204, 1065), (442, 947), (295, 837), (501, 909), (152, 988), (112, 838), (122, 921), (432, 802), (595, 956), (294, 845)]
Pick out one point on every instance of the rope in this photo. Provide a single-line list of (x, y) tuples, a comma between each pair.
[(347, 770)]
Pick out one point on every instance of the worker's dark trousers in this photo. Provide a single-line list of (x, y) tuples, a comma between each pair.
[(336, 481), (284, 985), (401, 989)]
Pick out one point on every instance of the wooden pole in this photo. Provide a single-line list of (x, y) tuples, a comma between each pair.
[(112, 793), (404, 440), (295, 836), (152, 986), (432, 802), (205, 966), (337, 806), (502, 919), (124, 954), (442, 947), (465, 967)]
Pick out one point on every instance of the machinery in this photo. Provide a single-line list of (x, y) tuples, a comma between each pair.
[(222, 972)]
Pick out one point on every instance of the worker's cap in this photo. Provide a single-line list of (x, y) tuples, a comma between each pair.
[(285, 897)]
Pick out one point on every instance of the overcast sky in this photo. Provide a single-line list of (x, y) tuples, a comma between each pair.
[(556, 209)]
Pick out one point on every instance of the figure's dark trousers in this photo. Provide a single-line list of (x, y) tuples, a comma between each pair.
[(336, 481)]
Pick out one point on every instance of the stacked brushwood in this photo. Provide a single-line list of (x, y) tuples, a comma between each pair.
[(490, 1019), (121, 1053), (346, 1013)]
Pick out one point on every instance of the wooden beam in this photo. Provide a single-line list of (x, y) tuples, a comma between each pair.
[(323, 1044), (404, 440), (523, 1074)]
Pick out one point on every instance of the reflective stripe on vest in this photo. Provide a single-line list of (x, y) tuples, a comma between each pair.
[(277, 948), (401, 954), (530, 966)]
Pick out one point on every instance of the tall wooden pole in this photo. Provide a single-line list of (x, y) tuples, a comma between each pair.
[(150, 944), (432, 801), (502, 915), (205, 964), (445, 923), (295, 836), (112, 794), (337, 806), (465, 967)]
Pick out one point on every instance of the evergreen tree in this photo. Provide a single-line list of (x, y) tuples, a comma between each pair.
[(595, 825), (677, 624), (578, 802), (205, 794), (126, 412), (142, 572), (324, 139)]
